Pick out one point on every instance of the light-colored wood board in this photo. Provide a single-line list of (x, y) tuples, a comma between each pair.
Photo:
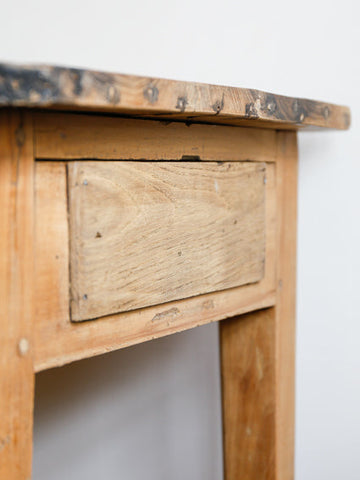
[(146, 233), (66, 341), (287, 174), (16, 298), (248, 396), (51, 246), (58, 87), (60, 341), (68, 136), (274, 456)]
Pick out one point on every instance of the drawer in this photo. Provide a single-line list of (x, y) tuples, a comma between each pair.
[(146, 233)]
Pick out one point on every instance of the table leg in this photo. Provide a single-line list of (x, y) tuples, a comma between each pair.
[(258, 359), (16, 296)]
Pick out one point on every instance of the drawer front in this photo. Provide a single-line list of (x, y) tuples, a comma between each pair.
[(146, 233)]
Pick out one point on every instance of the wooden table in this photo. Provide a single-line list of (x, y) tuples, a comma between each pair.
[(133, 208)]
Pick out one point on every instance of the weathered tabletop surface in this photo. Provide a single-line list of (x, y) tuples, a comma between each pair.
[(61, 88)]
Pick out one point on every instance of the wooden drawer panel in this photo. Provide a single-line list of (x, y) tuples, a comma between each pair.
[(146, 233)]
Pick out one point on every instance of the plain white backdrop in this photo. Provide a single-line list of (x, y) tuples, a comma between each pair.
[(153, 411)]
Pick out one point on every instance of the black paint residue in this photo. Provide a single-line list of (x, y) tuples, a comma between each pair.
[(218, 105), (112, 95), (299, 111), (271, 106), (27, 85), (181, 103), (76, 77), (104, 83), (151, 93), (251, 111), (326, 112)]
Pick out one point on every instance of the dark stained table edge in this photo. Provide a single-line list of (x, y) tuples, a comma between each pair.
[(61, 88)]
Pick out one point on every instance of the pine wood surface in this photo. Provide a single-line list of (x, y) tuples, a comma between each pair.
[(58, 87), (248, 393), (70, 136), (60, 341), (16, 294), (146, 233), (287, 176), (258, 355)]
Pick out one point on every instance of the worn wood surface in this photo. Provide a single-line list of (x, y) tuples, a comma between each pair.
[(16, 299), (69, 136), (287, 175), (61, 341), (146, 233), (248, 395), (74, 89), (51, 248), (258, 409)]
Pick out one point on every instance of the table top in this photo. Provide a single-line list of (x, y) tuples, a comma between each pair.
[(62, 88)]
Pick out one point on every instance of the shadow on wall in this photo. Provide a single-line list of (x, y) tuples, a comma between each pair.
[(150, 411)]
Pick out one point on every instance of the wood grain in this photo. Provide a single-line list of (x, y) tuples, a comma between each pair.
[(248, 393), (51, 248), (75, 89), (68, 136), (146, 233), (60, 341), (287, 176), (16, 298), (258, 411)]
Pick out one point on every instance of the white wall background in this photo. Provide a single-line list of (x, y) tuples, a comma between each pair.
[(127, 415)]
